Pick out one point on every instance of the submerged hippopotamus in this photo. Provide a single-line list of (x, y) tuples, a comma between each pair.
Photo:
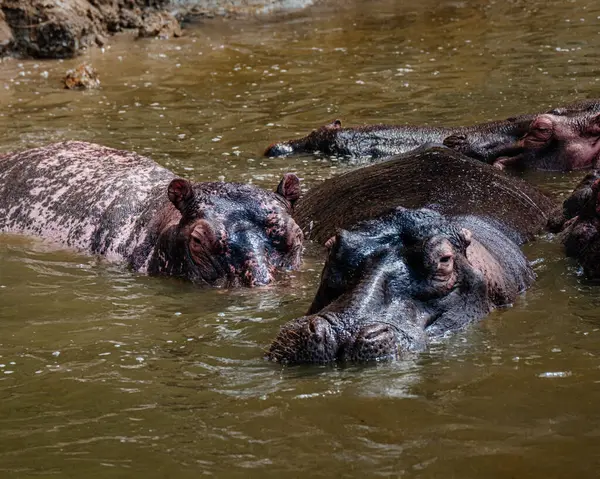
[(395, 278), (437, 177), (578, 224), (563, 139), (383, 141), (126, 207)]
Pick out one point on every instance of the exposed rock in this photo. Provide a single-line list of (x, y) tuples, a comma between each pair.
[(5, 34), (84, 77), (51, 28), (159, 24), (61, 29)]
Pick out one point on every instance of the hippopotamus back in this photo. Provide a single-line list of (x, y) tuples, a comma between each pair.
[(85, 196), (438, 178)]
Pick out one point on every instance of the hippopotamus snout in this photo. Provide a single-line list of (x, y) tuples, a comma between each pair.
[(249, 261), (279, 149), (323, 339), (311, 339)]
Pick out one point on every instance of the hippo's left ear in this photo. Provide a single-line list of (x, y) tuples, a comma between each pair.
[(289, 187), (180, 193)]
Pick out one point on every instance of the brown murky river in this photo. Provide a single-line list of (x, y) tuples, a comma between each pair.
[(104, 373)]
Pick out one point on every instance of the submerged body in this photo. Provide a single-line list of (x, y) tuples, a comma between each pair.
[(397, 277), (126, 207), (437, 177), (578, 224)]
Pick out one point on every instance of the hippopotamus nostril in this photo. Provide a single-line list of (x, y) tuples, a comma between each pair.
[(256, 275), (311, 339), (320, 329), (376, 333), (279, 149), (373, 342)]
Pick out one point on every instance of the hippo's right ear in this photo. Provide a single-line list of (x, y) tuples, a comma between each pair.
[(180, 193), (289, 187), (466, 236)]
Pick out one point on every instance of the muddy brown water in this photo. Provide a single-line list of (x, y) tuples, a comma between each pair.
[(104, 373)]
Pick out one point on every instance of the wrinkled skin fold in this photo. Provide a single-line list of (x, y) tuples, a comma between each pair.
[(127, 208), (391, 284), (562, 139)]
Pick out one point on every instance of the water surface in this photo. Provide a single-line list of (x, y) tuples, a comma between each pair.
[(104, 373)]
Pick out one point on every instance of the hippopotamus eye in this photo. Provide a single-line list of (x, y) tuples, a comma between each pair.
[(541, 130), (593, 127)]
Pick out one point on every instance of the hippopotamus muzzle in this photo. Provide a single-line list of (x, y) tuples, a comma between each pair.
[(326, 337)]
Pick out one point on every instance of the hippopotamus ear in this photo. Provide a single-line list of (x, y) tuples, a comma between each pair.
[(180, 192), (466, 236), (331, 242), (289, 187)]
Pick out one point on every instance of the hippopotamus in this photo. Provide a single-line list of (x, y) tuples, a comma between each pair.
[(127, 208), (578, 223), (426, 252), (564, 139), (379, 142)]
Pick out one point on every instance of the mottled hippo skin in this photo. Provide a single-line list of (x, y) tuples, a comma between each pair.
[(395, 277), (564, 139), (126, 207), (578, 222)]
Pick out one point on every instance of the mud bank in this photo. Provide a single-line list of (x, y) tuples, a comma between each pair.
[(62, 28)]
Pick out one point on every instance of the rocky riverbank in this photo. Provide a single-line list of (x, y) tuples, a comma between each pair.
[(62, 28)]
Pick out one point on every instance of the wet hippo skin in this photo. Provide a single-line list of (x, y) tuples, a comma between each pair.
[(382, 141), (438, 177), (396, 277), (563, 139), (127, 208), (578, 223)]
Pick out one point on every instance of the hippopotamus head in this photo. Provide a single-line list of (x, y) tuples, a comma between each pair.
[(230, 234), (487, 141), (564, 142), (579, 225), (320, 139), (389, 284)]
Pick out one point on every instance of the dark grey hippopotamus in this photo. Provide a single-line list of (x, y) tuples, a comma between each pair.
[(393, 282), (563, 139), (126, 207), (578, 222), (383, 141)]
